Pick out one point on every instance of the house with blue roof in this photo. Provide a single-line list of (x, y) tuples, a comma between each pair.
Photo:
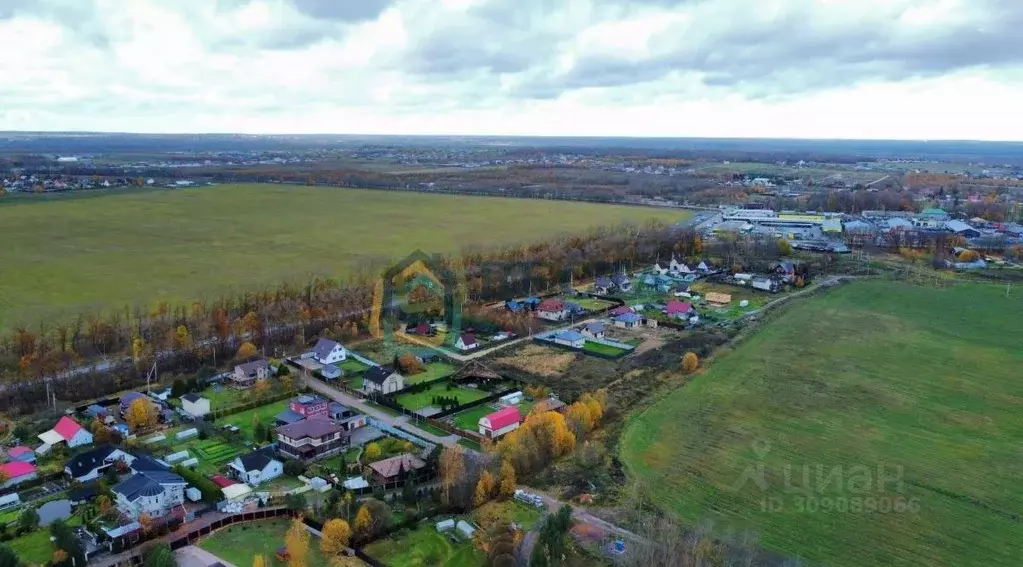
[(628, 320), (570, 338), (603, 286)]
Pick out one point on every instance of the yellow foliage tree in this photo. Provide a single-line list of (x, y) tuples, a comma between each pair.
[(363, 520), (336, 535), (784, 247), (969, 256), (690, 362), (100, 432), (296, 541), (484, 488), (182, 338), (146, 523), (259, 561), (104, 504), (452, 466), (508, 480), (262, 387), (372, 451), (141, 414), (247, 350)]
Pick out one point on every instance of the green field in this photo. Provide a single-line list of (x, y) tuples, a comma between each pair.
[(470, 419), (600, 348), (423, 399), (592, 304), (238, 543), (434, 371), (243, 420), (923, 381), (65, 256), (424, 547)]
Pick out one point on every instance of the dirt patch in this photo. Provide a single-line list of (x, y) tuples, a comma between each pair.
[(539, 360)]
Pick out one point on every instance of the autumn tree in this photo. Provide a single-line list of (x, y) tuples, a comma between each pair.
[(296, 541), (508, 480), (372, 451), (104, 505), (969, 256), (784, 247), (262, 387), (182, 339), (146, 523), (409, 364), (452, 469), (247, 350), (484, 488), (363, 521), (690, 362), (141, 414), (336, 536), (100, 432), (258, 430), (258, 561)]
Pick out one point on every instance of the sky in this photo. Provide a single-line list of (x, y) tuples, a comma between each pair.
[(875, 69)]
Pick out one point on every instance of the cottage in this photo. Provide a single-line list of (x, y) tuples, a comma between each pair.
[(628, 320), (603, 286), (327, 351), (245, 375), (550, 404), (382, 380), (718, 299), (153, 493), (552, 310), (17, 472), (424, 329), (622, 282), (676, 267), (678, 309), (89, 465), (703, 267), (466, 341), (785, 270), (22, 454), (311, 439), (257, 467), (195, 405), (621, 310), (570, 338), (500, 422), (765, 284), (67, 431), (593, 330), (392, 469)]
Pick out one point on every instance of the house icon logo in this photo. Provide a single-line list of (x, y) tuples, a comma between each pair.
[(419, 286)]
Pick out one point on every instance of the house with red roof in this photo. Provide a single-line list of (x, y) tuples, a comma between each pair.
[(500, 422), (467, 341), (552, 310), (621, 310), (67, 431), (17, 472), (678, 309), (21, 453), (222, 481)]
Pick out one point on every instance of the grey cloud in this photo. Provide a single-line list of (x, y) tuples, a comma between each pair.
[(343, 10)]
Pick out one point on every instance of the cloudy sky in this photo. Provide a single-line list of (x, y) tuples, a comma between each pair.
[(913, 69)]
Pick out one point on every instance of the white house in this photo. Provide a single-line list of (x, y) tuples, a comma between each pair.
[(195, 405), (256, 467), (467, 341), (67, 431), (676, 267), (382, 380), (500, 422), (552, 310), (593, 330), (153, 492), (327, 351)]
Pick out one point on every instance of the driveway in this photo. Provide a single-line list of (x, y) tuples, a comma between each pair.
[(192, 556)]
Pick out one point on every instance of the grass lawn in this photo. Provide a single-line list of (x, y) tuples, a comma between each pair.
[(505, 511), (470, 444), (925, 382), (591, 304), (389, 447), (34, 548), (424, 547), (470, 418), (434, 371), (425, 398), (386, 410), (354, 382), (429, 428), (92, 246), (599, 348), (238, 543), (351, 366), (243, 420)]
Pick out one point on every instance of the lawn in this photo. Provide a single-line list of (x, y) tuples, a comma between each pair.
[(921, 381), (434, 371), (64, 256), (424, 399), (424, 547), (470, 418), (34, 548), (351, 366), (243, 420), (503, 512), (600, 348), (592, 304), (238, 543)]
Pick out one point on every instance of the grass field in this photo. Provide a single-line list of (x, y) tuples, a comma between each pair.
[(424, 547), (592, 304), (237, 544), (423, 399), (600, 348), (923, 382), (503, 512), (64, 256), (470, 419), (243, 420), (434, 371)]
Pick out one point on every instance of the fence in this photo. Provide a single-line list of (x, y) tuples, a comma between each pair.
[(547, 339), (363, 359), (391, 430)]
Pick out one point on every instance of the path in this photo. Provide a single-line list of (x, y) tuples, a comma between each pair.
[(484, 352), (821, 284)]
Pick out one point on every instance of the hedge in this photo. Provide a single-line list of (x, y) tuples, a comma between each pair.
[(211, 493)]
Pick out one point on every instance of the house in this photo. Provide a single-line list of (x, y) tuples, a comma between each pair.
[(962, 229), (67, 431), (17, 472), (603, 286), (424, 329), (245, 375), (678, 309), (331, 372), (382, 380), (327, 351), (311, 439), (593, 330), (658, 270), (514, 306), (628, 320), (570, 338), (785, 270), (680, 290), (466, 341), (622, 282), (621, 310), (716, 298), (195, 405), (153, 493), (676, 267), (703, 267), (392, 469), (574, 308), (426, 355), (257, 467), (765, 284), (550, 404), (89, 465), (346, 417), (127, 399), (21, 453), (502, 421), (552, 310)]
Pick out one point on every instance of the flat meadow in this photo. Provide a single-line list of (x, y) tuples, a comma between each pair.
[(84, 253), (877, 424)]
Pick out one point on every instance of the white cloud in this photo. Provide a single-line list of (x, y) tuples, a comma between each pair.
[(782, 68)]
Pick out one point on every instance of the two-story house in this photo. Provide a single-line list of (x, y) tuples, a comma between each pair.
[(90, 464), (382, 380), (327, 351), (304, 407), (153, 490), (257, 467), (311, 439), (245, 375)]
